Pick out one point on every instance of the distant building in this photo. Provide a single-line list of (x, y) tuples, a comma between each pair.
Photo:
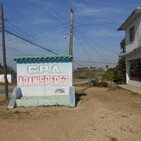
[(132, 28), (10, 77)]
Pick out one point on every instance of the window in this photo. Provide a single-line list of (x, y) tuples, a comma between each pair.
[(132, 34)]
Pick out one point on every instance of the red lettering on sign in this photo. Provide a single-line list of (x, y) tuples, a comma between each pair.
[(43, 80)]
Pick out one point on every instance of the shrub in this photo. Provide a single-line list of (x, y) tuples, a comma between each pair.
[(102, 84), (93, 83)]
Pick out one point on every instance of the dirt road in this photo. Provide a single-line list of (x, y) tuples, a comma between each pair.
[(100, 115)]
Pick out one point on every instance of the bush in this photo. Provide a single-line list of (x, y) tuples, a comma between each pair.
[(93, 83), (102, 84)]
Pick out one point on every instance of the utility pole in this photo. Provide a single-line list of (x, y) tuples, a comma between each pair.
[(71, 34), (4, 52), (71, 40)]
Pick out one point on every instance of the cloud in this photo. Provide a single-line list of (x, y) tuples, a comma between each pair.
[(104, 33), (86, 10)]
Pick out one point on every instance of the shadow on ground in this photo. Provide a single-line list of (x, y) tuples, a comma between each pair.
[(78, 97)]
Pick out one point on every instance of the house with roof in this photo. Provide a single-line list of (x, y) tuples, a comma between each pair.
[(132, 28)]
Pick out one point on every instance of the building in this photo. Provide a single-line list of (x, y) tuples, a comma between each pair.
[(132, 28), (10, 77)]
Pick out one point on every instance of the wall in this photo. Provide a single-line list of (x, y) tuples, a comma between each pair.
[(8, 77), (134, 83), (130, 57), (44, 79), (134, 56), (130, 46)]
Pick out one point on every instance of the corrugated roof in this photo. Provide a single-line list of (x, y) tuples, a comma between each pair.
[(131, 18), (44, 58)]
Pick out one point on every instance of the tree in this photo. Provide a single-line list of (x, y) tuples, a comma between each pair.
[(9, 70), (120, 71), (109, 74), (118, 74), (123, 46), (135, 70)]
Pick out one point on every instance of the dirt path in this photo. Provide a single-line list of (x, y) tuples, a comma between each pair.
[(100, 115)]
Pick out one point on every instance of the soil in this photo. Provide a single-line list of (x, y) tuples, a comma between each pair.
[(100, 115)]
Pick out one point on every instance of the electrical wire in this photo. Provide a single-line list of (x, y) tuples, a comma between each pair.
[(97, 62), (44, 11), (102, 23), (90, 45), (52, 28), (31, 38), (83, 48), (45, 3), (82, 34), (24, 39)]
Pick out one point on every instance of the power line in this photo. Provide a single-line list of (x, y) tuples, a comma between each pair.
[(30, 36), (91, 45), (105, 22), (45, 2), (31, 42), (97, 62), (52, 28), (36, 5), (78, 64), (82, 34), (21, 31), (34, 40), (84, 49)]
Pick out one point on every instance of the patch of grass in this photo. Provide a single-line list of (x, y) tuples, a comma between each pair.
[(133, 93), (7, 114), (82, 93), (82, 84), (17, 112), (112, 88)]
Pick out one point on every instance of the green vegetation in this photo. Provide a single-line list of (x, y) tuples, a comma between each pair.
[(116, 74), (88, 73), (135, 73), (9, 70)]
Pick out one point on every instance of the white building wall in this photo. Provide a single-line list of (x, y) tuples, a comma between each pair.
[(130, 46), (130, 57), (9, 78), (131, 52), (134, 83), (134, 56)]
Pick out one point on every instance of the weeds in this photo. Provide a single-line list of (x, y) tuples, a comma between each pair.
[(12, 114), (112, 88)]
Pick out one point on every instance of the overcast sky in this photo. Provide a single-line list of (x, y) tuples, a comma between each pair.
[(46, 22)]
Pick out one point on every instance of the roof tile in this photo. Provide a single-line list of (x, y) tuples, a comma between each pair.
[(44, 58)]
